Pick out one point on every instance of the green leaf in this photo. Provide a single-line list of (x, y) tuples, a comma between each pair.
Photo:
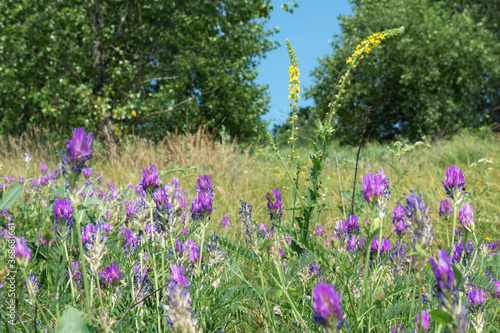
[(92, 201), (73, 321), (11, 197), (58, 190), (442, 317)]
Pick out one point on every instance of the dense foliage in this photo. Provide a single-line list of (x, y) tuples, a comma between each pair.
[(441, 76), (126, 66)]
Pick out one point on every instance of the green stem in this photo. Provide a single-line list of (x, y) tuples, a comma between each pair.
[(70, 271), (269, 313), (455, 215), (203, 226), (84, 267)]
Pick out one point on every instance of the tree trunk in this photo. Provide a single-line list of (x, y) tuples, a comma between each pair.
[(106, 126)]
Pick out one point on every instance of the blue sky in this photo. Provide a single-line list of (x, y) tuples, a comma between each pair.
[(309, 29)]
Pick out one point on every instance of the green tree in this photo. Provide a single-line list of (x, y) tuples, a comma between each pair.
[(125, 66), (440, 76)]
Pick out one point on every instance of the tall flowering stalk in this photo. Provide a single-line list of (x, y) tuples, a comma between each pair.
[(454, 185), (77, 152)]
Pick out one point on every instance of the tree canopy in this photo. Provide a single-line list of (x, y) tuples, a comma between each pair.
[(441, 75), (126, 66)]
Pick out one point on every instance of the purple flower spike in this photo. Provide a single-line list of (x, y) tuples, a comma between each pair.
[(78, 148), (385, 245), (130, 239), (150, 178), (44, 168), (475, 298), (194, 254), (225, 222), (112, 274), (204, 184), (274, 204), (454, 182), (178, 275), (282, 253), (443, 271), (63, 213), (320, 230), (374, 186), (22, 252), (201, 206), (466, 214), (445, 209), (326, 305), (87, 172), (398, 220), (422, 321)]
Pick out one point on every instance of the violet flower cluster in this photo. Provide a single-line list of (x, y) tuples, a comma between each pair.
[(419, 222), (326, 306), (454, 183)]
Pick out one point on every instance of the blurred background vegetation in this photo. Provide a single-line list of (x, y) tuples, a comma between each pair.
[(146, 68)]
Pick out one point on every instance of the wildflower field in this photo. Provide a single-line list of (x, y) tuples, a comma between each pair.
[(196, 235)]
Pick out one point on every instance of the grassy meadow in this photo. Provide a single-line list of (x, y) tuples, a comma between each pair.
[(247, 174)]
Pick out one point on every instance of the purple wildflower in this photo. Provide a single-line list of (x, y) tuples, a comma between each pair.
[(178, 276), (34, 183), (326, 305), (22, 252), (44, 168), (63, 213), (374, 186), (201, 206), (33, 282), (454, 182), (75, 273), (185, 231), (443, 271), (248, 221), (466, 214), (282, 253), (225, 222), (320, 230), (130, 239), (21, 180), (204, 184), (87, 172), (418, 221), (150, 178), (77, 152), (9, 178), (112, 274), (445, 209), (274, 204), (288, 239), (194, 254), (475, 299), (398, 220), (422, 321), (385, 245)]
